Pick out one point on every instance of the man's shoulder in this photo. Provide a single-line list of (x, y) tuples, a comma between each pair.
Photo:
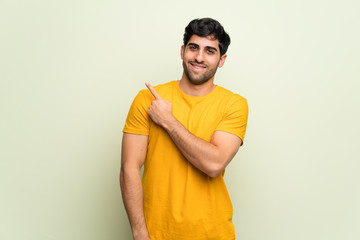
[(229, 95), (165, 90), (166, 86), (160, 87)]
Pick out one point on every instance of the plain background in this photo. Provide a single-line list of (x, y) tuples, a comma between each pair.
[(69, 71)]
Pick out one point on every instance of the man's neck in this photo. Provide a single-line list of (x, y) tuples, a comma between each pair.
[(196, 90)]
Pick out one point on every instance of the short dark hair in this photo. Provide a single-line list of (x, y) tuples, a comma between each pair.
[(204, 27)]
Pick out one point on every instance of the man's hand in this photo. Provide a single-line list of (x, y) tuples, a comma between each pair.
[(160, 110)]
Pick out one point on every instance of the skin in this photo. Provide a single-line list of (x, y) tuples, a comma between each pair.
[(201, 58), (134, 148)]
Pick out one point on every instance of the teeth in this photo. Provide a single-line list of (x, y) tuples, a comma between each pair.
[(195, 66)]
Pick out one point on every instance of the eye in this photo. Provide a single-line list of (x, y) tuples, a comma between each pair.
[(193, 47), (210, 51)]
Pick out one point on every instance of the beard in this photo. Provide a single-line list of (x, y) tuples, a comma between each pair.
[(199, 78)]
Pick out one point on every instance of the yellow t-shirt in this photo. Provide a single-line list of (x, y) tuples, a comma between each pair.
[(180, 201)]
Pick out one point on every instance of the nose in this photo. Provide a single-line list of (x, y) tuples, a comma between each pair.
[(199, 56)]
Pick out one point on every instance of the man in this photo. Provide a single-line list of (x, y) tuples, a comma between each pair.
[(184, 133)]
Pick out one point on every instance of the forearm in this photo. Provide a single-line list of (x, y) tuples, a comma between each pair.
[(132, 195), (202, 154)]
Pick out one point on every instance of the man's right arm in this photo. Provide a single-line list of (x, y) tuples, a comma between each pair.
[(134, 148)]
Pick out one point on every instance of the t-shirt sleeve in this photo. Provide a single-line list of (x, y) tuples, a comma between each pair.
[(235, 118), (137, 121)]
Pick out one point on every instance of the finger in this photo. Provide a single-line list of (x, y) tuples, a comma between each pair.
[(153, 91)]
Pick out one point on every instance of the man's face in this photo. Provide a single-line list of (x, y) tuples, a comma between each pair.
[(201, 58)]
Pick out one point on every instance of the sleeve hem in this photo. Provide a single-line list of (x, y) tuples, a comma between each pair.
[(231, 132), (135, 131)]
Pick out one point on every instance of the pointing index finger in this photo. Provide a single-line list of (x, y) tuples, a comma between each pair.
[(153, 91)]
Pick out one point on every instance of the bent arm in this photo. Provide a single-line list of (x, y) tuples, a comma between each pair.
[(134, 148), (209, 157)]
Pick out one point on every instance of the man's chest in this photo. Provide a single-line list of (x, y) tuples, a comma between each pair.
[(201, 118)]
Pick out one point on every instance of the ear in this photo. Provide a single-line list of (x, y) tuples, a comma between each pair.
[(222, 60), (182, 52)]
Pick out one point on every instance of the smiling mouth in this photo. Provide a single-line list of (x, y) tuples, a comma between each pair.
[(198, 66)]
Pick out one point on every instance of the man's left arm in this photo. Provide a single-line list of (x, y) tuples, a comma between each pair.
[(209, 157)]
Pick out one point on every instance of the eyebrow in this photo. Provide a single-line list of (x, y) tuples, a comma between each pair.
[(197, 45)]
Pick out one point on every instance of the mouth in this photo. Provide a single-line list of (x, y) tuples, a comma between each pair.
[(197, 66)]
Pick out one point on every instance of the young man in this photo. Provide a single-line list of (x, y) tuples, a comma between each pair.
[(184, 133)]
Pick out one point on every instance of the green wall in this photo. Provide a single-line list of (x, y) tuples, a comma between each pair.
[(69, 71)]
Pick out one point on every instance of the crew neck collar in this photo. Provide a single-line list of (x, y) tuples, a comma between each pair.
[(194, 97)]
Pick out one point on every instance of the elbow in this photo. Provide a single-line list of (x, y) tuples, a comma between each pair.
[(215, 170), (126, 174), (217, 166), (213, 174), (121, 177)]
